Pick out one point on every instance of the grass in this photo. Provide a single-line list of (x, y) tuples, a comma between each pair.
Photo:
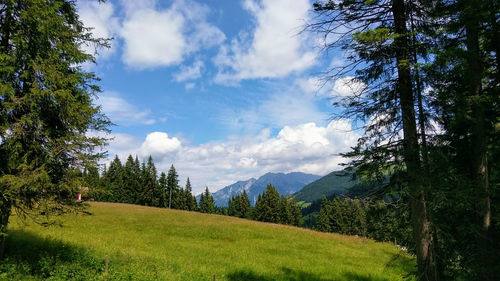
[(145, 243)]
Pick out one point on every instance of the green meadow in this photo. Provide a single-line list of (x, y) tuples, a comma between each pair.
[(144, 243)]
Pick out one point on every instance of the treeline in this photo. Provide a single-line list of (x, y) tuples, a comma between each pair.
[(370, 218), (270, 207), (137, 183)]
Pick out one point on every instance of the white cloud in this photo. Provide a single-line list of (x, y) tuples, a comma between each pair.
[(189, 72), (155, 38), (122, 112), (99, 16), (348, 87), (275, 48), (158, 144), (306, 148)]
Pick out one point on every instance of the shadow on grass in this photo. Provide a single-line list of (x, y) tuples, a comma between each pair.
[(28, 256), (297, 275)]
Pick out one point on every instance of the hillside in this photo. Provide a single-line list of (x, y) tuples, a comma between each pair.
[(337, 182), (145, 243), (286, 184)]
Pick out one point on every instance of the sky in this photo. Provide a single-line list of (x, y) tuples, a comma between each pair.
[(224, 90)]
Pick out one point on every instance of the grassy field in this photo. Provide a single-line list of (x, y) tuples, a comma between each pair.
[(145, 243)]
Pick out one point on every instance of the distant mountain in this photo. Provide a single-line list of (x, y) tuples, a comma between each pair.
[(286, 184), (222, 196), (334, 183)]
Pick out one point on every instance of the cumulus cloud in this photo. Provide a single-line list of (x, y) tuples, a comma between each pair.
[(158, 144), (275, 48), (155, 37), (99, 17), (122, 112), (306, 148)]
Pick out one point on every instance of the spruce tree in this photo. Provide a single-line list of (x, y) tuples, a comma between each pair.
[(46, 108), (207, 202), (172, 186), (163, 189), (323, 222)]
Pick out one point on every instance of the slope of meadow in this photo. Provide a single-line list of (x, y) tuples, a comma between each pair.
[(145, 243)]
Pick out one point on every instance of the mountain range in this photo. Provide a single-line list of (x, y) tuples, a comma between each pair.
[(285, 184)]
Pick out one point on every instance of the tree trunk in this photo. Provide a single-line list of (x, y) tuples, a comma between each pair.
[(478, 149), (421, 229), (170, 197), (5, 209)]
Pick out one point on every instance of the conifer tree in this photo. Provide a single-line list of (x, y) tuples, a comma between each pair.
[(131, 182), (323, 222), (46, 108), (163, 189), (207, 202), (172, 186), (150, 191), (244, 205)]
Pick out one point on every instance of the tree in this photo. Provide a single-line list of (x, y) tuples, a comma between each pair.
[(151, 194), (131, 181), (46, 108), (207, 202), (376, 37), (323, 222), (172, 185), (162, 186), (267, 206), (190, 199)]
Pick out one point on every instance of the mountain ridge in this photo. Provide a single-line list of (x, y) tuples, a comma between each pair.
[(285, 183)]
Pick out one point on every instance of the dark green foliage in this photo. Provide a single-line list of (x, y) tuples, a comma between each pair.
[(173, 188), (270, 207), (190, 200), (207, 202), (342, 216), (138, 184), (46, 109), (334, 183), (239, 206), (267, 206)]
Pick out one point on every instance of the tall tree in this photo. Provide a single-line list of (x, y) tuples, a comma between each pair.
[(46, 107), (163, 188), (376, 37), (172, 185), (207, 204), (151, 194)]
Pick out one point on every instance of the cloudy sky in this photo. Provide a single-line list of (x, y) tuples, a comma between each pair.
[(225, 90)]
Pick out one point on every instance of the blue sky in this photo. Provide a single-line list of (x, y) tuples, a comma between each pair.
[(223, 89)]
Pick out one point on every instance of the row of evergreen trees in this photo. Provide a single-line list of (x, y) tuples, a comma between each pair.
[(270, 207), (137, 183), (374, 219)]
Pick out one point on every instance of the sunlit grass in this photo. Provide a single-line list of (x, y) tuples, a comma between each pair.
[(145, 243)]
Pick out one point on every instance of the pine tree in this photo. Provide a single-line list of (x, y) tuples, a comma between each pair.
[(114, 180), (244, 205), (379, 43), (323, 222), (267, 206), (131, 181), (285, 214), (207, 202), (46, 108), (172, 186), (295, 213), (163, 189), (150, 191)]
